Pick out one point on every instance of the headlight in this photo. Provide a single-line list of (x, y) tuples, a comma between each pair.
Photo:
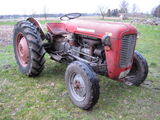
[(106, 41)]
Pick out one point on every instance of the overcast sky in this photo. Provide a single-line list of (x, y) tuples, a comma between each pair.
[(67, 6)]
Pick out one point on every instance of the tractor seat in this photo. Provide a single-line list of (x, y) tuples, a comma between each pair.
[(56, 28)]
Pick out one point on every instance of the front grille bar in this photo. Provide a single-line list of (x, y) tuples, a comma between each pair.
[(127, 50)]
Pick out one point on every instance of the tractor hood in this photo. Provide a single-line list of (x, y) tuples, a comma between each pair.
[(99, 28), (116, 31)]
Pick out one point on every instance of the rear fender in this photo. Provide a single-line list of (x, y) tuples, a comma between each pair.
[(38, 25)]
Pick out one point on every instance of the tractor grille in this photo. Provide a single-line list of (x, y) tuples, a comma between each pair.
[(128, 44)]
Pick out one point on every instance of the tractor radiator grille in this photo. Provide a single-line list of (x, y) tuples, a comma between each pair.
[(127, 50)]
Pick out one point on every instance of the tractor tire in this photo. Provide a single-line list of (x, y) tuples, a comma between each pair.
[(82, 85), (28, 48), (139, 70)]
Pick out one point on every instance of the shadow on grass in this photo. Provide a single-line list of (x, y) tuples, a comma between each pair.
[(111, 91), (115, 94), (54, 69)]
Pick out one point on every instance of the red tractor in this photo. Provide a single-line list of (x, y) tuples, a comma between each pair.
[(88, 47)]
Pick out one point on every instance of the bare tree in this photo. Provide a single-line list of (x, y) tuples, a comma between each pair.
[(45, 12), (156, 11), (109, 12), (102, 10), (124, 6), (134, 8), (33, 13), (24, 13)]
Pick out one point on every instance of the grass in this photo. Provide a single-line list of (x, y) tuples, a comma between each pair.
[(8, 22), (14, 22), (45, 97)]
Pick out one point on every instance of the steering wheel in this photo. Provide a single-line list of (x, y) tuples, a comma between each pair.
[(70, 16)]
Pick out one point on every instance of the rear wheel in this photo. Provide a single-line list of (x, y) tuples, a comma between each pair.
[(28, 48), (82, 85), (139, 70)]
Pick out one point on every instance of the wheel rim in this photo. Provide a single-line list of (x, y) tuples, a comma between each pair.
[(77, 87), (22, 50)]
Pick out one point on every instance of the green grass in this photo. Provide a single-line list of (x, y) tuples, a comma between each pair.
[(8, 22), (14, 22), (45, 97), (48, 21)]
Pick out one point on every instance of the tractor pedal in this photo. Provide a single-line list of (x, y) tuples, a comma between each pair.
[(56, 57)]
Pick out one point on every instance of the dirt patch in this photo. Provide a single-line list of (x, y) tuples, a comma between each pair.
[(1, 51), (6, 33)]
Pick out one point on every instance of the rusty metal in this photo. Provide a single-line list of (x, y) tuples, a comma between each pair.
[(22, 50), (38, 25)]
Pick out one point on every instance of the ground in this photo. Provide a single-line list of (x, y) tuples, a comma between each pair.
[(45, 97)]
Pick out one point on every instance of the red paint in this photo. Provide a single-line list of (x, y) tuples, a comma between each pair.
[(98, 29), (22, 49), (56, 28)]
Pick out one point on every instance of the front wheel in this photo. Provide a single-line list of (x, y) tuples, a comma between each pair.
[(139, 70), (82, 85)]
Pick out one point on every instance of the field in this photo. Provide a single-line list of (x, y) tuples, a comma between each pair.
[(45, 97)]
